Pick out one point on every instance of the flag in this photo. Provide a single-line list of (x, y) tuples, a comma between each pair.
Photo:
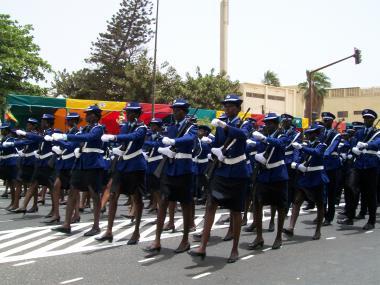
[(10, 117)]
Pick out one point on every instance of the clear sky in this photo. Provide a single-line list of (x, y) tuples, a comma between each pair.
[(286, 36)]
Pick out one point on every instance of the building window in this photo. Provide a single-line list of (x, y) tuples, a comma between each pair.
[(255, 95), (342, 114), (278, 98), (357, 112)]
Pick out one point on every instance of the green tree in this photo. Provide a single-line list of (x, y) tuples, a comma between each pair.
[(271, 78), (321, 83), (21, 67)]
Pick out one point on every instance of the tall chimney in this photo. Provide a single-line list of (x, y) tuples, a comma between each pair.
[(224, 7)]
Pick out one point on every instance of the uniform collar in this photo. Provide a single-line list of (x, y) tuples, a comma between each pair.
[(233, 120)]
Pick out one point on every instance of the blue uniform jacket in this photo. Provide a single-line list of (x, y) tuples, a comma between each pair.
[(275, 169), (133, 139), (29, 147), (151, 145), (312, 156), (66, 159), (92, 147), (290, 153), (8, 155), (183, 163), (200, 159), (236, 151), (331, 156), (44, 152), (368, 159)]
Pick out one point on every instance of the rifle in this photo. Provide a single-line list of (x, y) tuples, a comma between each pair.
[(181, 132), (226, 146)]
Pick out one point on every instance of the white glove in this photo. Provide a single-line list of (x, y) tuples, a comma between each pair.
[(8, 144), (209, 156), (168, 141), (259, 136), (293, 165), (20, 153), (108, 138), (302, 168), (362, 145), (117, 151), (48, 138), (57, 150), (297, 145), (349, 156), (206, 140), (59, 137), (145, 155), (356, 150), (77, 152), (21, 133), (218, 123), (166, 151), (217, 151), (343, 155), (260, 158), (249, 141), (378, 154)]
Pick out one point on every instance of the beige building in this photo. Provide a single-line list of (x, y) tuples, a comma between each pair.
[(346, 103), (263, 99)]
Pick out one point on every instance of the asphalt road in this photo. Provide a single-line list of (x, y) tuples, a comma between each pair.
[(30, 253)]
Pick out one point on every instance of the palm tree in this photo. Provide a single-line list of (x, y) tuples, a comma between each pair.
[(271, 78), (321, 83)]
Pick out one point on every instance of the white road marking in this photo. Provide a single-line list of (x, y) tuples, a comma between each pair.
[(267, 249), (6, 221), (195, 246), (71, 280), (331, 238), (247, 257), (298, 278), (146, 260), (368, 232), (24, 263), (201, 275)]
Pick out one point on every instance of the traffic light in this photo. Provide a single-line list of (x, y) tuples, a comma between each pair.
[(358, 56)]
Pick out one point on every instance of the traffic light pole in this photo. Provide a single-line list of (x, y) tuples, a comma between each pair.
[(309, 74)]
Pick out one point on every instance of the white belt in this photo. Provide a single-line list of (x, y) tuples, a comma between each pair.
[(46, 155), (155, 158), (235, 159), (29, 154), (275, 164), (334, 153), (314, 168), (90, 150), (289, 152), (253, 153), (370, 152), (132, 155), (67, 156), (9, 156), (197, 160), (182, 155)]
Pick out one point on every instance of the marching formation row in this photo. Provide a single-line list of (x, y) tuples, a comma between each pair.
[(239, 166)]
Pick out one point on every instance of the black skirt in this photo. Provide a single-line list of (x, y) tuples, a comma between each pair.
[(25, 174), (274, 194), (314, 194), (177, 188), (128, 183), (153, 183), (64, 175), (86, 179), (229, 192), (8, 173), (44, 176)]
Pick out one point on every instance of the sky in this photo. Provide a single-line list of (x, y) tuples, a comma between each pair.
[(285, 36)]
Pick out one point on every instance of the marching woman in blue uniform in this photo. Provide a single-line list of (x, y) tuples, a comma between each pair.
[(88, 168), (8, 160), (153, 158), (272, 179), (129, 175), (64, 153), (228, 184), (366, 164), (176, 181), (332, 164), (43, 174), (310, 178)]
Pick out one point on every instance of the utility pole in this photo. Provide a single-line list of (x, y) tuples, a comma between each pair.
[(155, 63), (358, 59), (224, 19)]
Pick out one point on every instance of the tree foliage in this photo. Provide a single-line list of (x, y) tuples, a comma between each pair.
[(271, 78), (321, 83), (20, 63)]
